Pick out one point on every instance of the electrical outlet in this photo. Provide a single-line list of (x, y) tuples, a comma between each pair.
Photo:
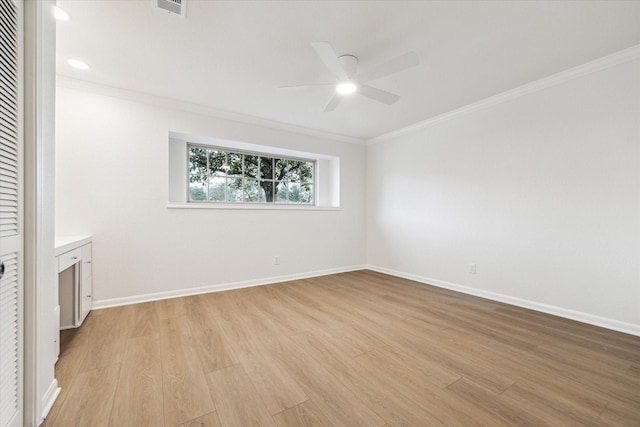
[(276, 260), (472, 269)]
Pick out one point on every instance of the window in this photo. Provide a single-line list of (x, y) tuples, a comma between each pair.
[(194, 176), (217, 175)]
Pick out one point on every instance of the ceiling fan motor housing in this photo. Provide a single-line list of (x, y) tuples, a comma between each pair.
[(349, 64)]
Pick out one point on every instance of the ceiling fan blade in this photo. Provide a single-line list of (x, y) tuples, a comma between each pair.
[(395, 65), (302, 87), (330, 59), (378, 94), (333, 103)]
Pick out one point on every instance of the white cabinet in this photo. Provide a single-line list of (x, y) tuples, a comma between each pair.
[(74, 256)]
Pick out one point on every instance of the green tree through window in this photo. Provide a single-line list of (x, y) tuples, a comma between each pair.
[(220, 175)]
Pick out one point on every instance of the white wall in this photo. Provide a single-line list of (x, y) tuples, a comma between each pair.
[(542, 192), (112, 182)]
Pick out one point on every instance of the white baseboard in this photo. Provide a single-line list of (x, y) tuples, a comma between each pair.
[(114, 302), (50, 397), (616, 325)]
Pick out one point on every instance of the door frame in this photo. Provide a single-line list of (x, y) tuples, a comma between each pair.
[(40, 275)]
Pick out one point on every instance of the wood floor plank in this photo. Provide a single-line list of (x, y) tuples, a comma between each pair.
[(145, 320), (338, 403), (634, 371), (185, 390), (612, 386), (423, 368), (485, 400), (553, 409), (572, 327), (540, 340), (72, 352), (215, 351), (448, 410), (174, 325), (371, 390), (305, 414), (400, 396), (349, 340), (572, 331), (301, 307), (573, 397), (237, 400), (577, 356), (616, 415), (108, 338), (79, 336), (272, 381), (603, 385), (271, 305), (90, 399), (208, 420), (454, 360), (353, 341), (172, 307), (139, 401)]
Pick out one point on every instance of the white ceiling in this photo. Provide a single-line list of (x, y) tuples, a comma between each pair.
[(232, 55)]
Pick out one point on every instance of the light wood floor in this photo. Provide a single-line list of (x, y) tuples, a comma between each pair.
[(353, 349)]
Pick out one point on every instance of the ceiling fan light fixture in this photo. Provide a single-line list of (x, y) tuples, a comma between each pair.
[(346, 88)]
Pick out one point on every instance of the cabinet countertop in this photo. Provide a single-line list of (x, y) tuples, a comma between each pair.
[(68, 243)]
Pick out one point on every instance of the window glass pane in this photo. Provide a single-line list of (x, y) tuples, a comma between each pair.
[(306, 193), (250, 166), (294, 192), (217, 159), (267, 188), (234, 161), (253, 192), (306, 172), (217, 189), (281, 169), (197, 160), (293, 171), (281, 192), (197, 188), (266, 168), (234, 190)]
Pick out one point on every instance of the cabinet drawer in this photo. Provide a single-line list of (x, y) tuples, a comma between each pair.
[(67, 259)]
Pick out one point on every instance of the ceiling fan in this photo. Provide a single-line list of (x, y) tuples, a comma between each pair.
[(349, 81)]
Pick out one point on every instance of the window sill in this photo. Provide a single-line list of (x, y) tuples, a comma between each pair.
[(248, 206)]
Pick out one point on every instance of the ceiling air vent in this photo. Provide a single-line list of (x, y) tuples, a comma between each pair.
[(175, 7)]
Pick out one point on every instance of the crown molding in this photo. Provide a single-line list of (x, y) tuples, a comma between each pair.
[(600, 64), (174, 104)]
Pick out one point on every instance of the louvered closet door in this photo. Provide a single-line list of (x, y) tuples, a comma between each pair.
[(10, 218)]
